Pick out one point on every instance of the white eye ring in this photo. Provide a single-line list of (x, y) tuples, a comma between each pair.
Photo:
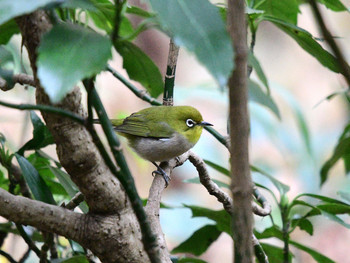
[(190, 123)]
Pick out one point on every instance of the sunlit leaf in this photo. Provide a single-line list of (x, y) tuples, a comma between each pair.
[(284, 10)]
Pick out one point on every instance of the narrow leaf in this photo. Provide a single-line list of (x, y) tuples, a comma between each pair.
[(41, 135), (36, 184), (188, 24), (199, 242), (257, 95), (342, 150), (316, 255), (195, 180), (284, 10), (254, 63), (191, 260), (282, 188), (218, 168), (63, 55), (140, 67), (334, 5), (308, 43), (274, 253), (221, 217)]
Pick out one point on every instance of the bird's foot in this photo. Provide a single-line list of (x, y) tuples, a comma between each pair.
[(161, 172)]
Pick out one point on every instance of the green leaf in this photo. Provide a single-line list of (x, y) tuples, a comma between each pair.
[(68, 185), (334, 208), (272, 231), (188, 24), (341, 151), (134, 10), (284, 10), (140, 67), (221, 217), (7, 30), (191, 260), (274, 253), (334, 5), (36, 184), (5, 56), (254, 63), (316, 255), (74, 259), (199, 242), (322, 198), (84, 4), (13, 8), (59, 73), (195, 180), (308, 43), (41, 135), (218, 168), (303, 224), (103, 17), (282, 188), (257, 95)]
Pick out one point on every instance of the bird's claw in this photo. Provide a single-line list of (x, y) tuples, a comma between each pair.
[(163, 174)]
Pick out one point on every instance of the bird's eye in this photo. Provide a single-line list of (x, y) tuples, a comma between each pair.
[(190, 123)]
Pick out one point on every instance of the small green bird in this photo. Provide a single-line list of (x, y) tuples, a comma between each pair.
[(161, 133)]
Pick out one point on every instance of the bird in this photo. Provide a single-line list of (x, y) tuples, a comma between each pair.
[(161, 133)]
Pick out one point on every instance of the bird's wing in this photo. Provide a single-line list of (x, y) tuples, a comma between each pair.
[(144, 126)]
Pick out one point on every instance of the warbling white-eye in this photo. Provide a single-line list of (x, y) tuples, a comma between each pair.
[(161, 133)]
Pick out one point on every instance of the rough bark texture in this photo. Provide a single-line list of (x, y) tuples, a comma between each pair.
[(241, 185), (110, 230)]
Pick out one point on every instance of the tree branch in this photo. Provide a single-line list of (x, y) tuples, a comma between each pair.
[(111, 219), (241, 184), (168, 98), (20, 78)]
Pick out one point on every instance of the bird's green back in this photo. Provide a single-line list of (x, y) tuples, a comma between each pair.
[(158, 122)]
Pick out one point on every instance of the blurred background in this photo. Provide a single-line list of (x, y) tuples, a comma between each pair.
[(299, 85)]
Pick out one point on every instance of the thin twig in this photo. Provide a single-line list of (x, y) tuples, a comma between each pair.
[(142, 94), (45, 108), (124, 174), (20, 78), (265, 210), (168, 97), (27, 239), (345, 69), (74, 202)]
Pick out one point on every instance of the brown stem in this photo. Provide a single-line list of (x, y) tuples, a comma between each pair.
[(241, 184)]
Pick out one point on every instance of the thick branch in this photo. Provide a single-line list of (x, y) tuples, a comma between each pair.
[(241, 184), (109, 236)]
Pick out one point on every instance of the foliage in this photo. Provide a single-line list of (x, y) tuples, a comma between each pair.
[(88, 30)]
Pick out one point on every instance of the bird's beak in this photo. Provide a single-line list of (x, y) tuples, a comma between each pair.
[(204, 123)]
